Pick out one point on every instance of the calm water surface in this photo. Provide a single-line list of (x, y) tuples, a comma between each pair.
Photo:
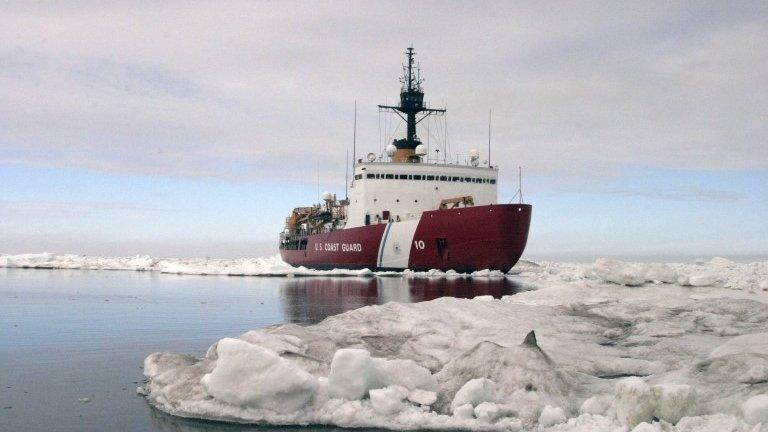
[(71, 334)]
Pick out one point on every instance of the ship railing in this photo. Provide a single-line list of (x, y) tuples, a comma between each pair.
[(295, 236)]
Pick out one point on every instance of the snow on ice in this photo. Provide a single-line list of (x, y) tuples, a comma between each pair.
[(617, 347)]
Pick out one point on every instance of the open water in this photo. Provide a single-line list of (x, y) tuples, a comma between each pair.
[(72, 342)]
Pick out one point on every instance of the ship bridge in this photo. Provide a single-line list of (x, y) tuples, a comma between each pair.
[(382, 192)]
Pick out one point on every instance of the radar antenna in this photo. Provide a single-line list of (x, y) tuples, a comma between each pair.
[(411, 104)]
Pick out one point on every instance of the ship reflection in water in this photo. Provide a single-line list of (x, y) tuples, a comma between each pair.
[(310, 300)]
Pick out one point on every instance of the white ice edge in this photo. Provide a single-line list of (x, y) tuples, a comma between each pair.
[(263, 266), (717, 272), (611, 356)]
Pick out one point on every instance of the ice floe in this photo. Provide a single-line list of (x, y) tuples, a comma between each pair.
[(717, 272), (651, 355), (269, 266)]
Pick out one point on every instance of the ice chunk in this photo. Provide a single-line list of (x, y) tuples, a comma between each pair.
[(659, 272), (755, 409), (156, 363), (618, 272), (756, 343), (352, 374), (475, 392), (404, 372), (489, 412), (250, 375), (635, 402), (674, 401), (465, 411), (721, 262), (523, 367), (551, 416), (422, 397), (389, 400), (703, 279), (598, 405)]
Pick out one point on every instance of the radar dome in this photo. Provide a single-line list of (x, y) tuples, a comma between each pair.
[(474, 154), (327, 196), (421, 150), (390, 149), (371, 157)]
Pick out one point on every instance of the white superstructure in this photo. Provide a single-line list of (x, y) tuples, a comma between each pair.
[(384, 191)]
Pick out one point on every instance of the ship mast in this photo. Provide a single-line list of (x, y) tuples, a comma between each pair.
[(411, 104)]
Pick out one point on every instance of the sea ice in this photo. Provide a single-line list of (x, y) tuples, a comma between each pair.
[(635, 402), (755, 409), (551, 416), (604, 357)]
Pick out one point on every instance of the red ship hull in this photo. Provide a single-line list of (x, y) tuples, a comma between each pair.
[(462, 239)]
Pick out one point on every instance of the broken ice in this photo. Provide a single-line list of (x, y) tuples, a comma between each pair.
[(617, 347)]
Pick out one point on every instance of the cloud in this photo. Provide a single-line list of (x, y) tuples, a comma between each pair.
[(30, 210), (256, 90)]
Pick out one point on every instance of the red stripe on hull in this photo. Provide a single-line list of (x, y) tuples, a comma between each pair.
[(353, 248), (473, 238)]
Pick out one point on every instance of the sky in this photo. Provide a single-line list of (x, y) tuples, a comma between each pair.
[(193, 128)]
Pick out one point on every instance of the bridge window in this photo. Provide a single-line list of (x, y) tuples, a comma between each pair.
[(443, 178), (403, 176), (417, 176), (369, 176), (389, 176), (455, 179), (358, 176), (430, 177), (467, 179), (493, 181)]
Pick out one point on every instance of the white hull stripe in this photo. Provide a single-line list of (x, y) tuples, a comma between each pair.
[(395, 249), (383, 243)]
